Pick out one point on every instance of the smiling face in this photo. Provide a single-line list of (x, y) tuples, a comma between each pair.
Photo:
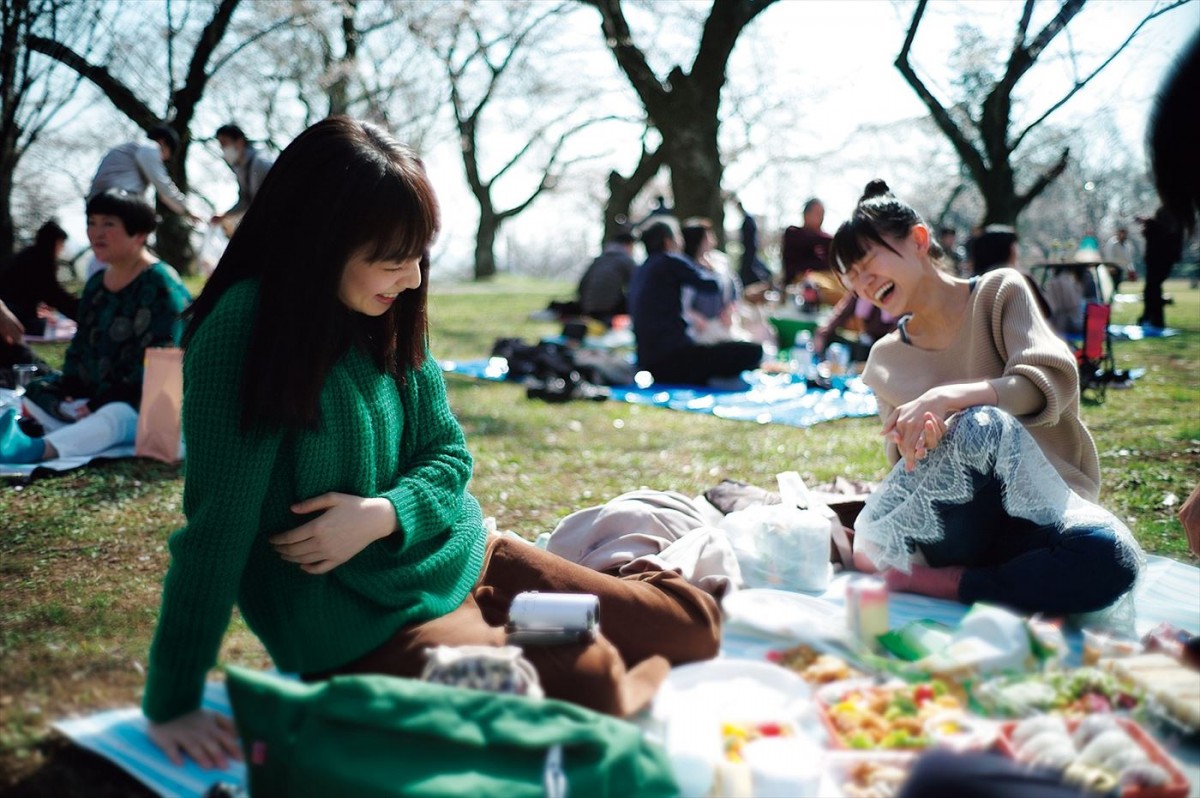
[(888, 279), (371, 287)]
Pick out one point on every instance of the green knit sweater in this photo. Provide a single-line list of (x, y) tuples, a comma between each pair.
[(375, 439)]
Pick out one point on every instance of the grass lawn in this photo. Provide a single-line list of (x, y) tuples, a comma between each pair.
[(82, 554)]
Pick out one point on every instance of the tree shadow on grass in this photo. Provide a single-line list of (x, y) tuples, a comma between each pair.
[(138, 469), (65, 770)]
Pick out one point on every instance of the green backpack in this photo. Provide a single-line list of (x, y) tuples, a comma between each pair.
[(367, 736)]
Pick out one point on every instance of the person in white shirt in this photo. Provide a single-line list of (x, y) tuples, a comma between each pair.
[(1119, 252), (134, 167)]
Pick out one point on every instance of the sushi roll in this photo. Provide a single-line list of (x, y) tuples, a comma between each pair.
[(1106, 744), (1056, 754), (1143, 774), (1031, 727), (1123, 759), (1091, 727)]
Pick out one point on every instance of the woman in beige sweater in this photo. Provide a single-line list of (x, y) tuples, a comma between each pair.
[(993, 492)]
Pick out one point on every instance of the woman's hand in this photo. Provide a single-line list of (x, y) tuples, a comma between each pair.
[(70, 407), (347, 526), (1189, 516), (917, 427), (206, 737), (11, 328)]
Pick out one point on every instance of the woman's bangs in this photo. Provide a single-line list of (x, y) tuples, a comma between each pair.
[(399, 222), (851, 244)]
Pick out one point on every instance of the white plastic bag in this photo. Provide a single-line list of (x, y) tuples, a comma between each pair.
[(211, 249), (782, 546)]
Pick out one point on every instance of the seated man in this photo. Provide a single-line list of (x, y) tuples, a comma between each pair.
[(602, 287), (664, 347)]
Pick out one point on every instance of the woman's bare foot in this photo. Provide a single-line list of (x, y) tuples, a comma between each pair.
[(937, 582)]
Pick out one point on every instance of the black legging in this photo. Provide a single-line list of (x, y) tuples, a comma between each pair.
[(1017, 563)]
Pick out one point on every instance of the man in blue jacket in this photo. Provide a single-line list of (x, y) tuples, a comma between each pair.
[(664, 347)]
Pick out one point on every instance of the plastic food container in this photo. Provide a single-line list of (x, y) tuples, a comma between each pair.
[(866, 773), (1098, 644), (1176, 785), (856, 714)]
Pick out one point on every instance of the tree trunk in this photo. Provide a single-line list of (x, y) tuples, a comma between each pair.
[(1001, 204), (694, 157), (172, 238), (485, 244), (13, 22), (685, 106), (8, 164), (622, 191)]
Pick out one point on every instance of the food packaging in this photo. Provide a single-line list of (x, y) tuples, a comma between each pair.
[(1177, 783), (867, 611), (1098, 644)]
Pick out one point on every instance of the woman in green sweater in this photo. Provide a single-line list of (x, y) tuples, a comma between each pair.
[(995, 478), (325, 492)]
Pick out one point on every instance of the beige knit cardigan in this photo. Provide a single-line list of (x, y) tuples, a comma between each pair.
[(1006, 340)]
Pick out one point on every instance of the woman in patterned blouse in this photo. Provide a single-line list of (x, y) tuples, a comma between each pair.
[(133, 304)]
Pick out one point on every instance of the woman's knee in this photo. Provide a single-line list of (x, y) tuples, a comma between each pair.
[(1110, 570), (683, 621), (120, 418), (654, 612), (979, 428), (594, 675)]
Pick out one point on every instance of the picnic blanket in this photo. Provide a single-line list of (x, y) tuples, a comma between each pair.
[(1166, 593), (765, 399), (119, 735), (61, 463), (1136, 332)]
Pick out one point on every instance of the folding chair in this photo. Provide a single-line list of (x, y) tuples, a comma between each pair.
[(1097, 366)]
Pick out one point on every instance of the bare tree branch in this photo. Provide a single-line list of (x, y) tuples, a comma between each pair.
[(116, 91), (1023, 26), (1065, 14), (185, 99), (1044, 179), (1079, 84), (630, 58), (253, 38), (724, 24), (962, 145)]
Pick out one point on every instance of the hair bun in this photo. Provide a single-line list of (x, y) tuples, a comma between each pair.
[(876, 188)]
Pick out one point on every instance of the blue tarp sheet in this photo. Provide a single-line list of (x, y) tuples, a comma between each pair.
[(765, 399)]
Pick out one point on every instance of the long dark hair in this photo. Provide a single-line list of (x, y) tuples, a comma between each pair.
[(694, 234), (42, 256), (879, 215), (1171, 136), (343, 188)]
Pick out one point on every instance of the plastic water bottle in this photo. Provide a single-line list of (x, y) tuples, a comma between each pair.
[(804, 361), (838, 355)]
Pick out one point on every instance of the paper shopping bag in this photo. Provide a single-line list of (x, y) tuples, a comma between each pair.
[(159, 429)]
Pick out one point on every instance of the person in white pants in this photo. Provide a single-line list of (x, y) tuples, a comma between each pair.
[(114, 424)]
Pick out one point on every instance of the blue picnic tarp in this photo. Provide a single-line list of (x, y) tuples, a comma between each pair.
[(764, 399)]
